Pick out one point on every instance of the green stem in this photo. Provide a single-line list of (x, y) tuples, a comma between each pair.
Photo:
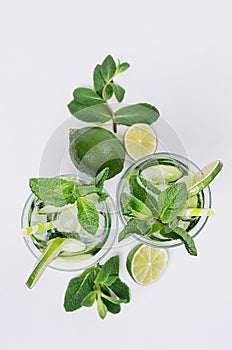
[(108, 106)]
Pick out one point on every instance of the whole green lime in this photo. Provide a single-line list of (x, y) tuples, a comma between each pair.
[(93, 148)]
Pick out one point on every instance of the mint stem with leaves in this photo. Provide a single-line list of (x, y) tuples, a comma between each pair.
[(100, 283), (92, 106)]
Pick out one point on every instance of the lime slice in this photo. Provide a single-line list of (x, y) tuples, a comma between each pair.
[(50, 253), (197, 182), (140, 140), (146, 264)]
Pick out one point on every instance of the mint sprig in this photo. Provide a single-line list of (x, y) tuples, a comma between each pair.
[(59, 192), (91, 105), (100, 284), (53, 191), (155, 214)]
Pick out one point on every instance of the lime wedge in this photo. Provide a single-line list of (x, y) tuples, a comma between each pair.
[(140, 140), (50, 253), (197, 182), (146, 264)]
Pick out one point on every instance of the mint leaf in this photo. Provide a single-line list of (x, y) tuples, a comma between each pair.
[(87, 97), (85, 190), (98, 80), (138, 190), (156, 226), (91, 114), (108, 68), (131, 206), (171, 201), (137, 113), (90, 298), (180, 233), (108, 92), (101, 308), (78, 288), (53, 191), (88, 215), (134, 226), (120, 289), (111, 307), (108, 272), (122, 67), (149, 186), (119, 92), (101, 178), (111, 299)]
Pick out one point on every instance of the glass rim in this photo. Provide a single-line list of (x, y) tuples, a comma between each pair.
[(141, 239), (95, 258)]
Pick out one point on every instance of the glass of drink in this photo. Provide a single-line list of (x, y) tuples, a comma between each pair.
[(162, 170), (81, 249)]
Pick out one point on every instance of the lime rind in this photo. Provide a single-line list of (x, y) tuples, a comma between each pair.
[(198, 181)]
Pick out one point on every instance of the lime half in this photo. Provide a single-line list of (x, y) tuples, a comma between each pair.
[(146, 264), (50, 253), (140, 140), (198, 181)]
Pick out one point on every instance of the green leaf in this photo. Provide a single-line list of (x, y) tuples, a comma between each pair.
[(88, 215), (122, 67), (156, 227), (149, 186), (91, 114), (101, 178), (111, 307), (85, 190), (53, 191), (78, 288), (141, 192), (87, 97), (98, 80), (120, 289), (90, 298), (101, 308), (108, 68), (180, 233), (108, 272), (134, 226), (108, 92), (111, 299), (171, 201), (119, 92), (133, 207), (137, 113)]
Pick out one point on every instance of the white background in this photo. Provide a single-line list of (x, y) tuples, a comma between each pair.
[(180, 54)]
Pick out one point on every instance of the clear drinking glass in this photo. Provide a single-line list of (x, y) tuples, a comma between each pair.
[(97, 246), (188, 167)]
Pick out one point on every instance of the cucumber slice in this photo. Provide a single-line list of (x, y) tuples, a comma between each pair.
[(50, 209), (159, 174), (72, 246), (74, 258)]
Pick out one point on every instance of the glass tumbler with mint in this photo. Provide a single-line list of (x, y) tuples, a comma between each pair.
[(68, 223), (164, 200)]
